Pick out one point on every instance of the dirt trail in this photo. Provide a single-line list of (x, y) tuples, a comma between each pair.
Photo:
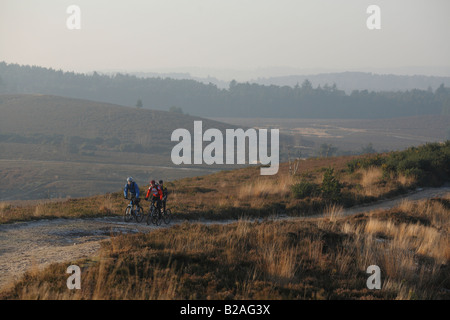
[(39, 243), (418, 194), (25, 245)]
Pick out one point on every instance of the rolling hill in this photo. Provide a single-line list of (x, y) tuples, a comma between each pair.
[(57, 147), (239, 100)]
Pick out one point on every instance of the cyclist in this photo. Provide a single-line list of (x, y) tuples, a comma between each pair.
[(131, 187), (155, 192), (164, 192)]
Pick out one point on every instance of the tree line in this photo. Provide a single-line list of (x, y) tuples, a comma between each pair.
[(239, 100)]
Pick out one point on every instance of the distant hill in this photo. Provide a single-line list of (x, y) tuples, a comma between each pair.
[(53, 146), (103, 124), (250, 100)]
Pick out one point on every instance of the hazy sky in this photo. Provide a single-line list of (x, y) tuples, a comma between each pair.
[(180, 35)]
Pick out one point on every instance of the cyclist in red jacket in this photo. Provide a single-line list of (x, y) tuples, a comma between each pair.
[(155, 193)]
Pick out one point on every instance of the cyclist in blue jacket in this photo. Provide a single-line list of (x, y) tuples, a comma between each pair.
[(131, 187)]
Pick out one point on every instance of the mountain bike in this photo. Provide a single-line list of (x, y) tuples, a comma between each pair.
[(166, 213), (154, 215), (166, 216), (134, 210)]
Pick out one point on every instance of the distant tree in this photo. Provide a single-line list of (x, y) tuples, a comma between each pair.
[(441, 90), (327, 150), (334, 87), (443, 96), (307, 85), (368, 149), (233, 84), (139, 104)]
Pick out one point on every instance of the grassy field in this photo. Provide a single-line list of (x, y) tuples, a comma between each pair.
[(322, 258), (316, 183), (226, 195)]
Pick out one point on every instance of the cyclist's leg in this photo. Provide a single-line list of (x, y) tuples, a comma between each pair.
[(133, 197), (159, 206)]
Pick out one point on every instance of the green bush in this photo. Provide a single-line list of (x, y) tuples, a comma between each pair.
[(429, 163), (305, 189), (331, 187), (366, 162)]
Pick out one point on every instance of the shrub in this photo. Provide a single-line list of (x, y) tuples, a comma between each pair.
[(429, 163), (366, 162), (331, 187), (305, 189)]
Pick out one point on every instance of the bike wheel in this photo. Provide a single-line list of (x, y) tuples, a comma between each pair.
[(158, 218), (167, 216), (154, 217), (151, 216), (128, 216), (139, 214)]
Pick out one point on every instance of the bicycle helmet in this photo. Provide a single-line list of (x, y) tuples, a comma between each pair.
[(160, 182), (152, 182), (130, 179)]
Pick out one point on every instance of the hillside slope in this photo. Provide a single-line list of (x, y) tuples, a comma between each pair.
[(53, 115), (56, 147)]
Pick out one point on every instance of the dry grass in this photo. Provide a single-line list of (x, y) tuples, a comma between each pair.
[(406, 181), (280, 264), (4, 208), (40, 210), (107, 205), (435, 211), (264, 187), (371, 176), (296, 259), (373, 183), (370, 179), (418, 238), (232, 194), (333, 212)]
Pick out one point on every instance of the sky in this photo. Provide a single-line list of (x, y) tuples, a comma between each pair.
[(236, 36)]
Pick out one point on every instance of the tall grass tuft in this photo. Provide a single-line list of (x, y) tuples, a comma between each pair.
[(107, 205)]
